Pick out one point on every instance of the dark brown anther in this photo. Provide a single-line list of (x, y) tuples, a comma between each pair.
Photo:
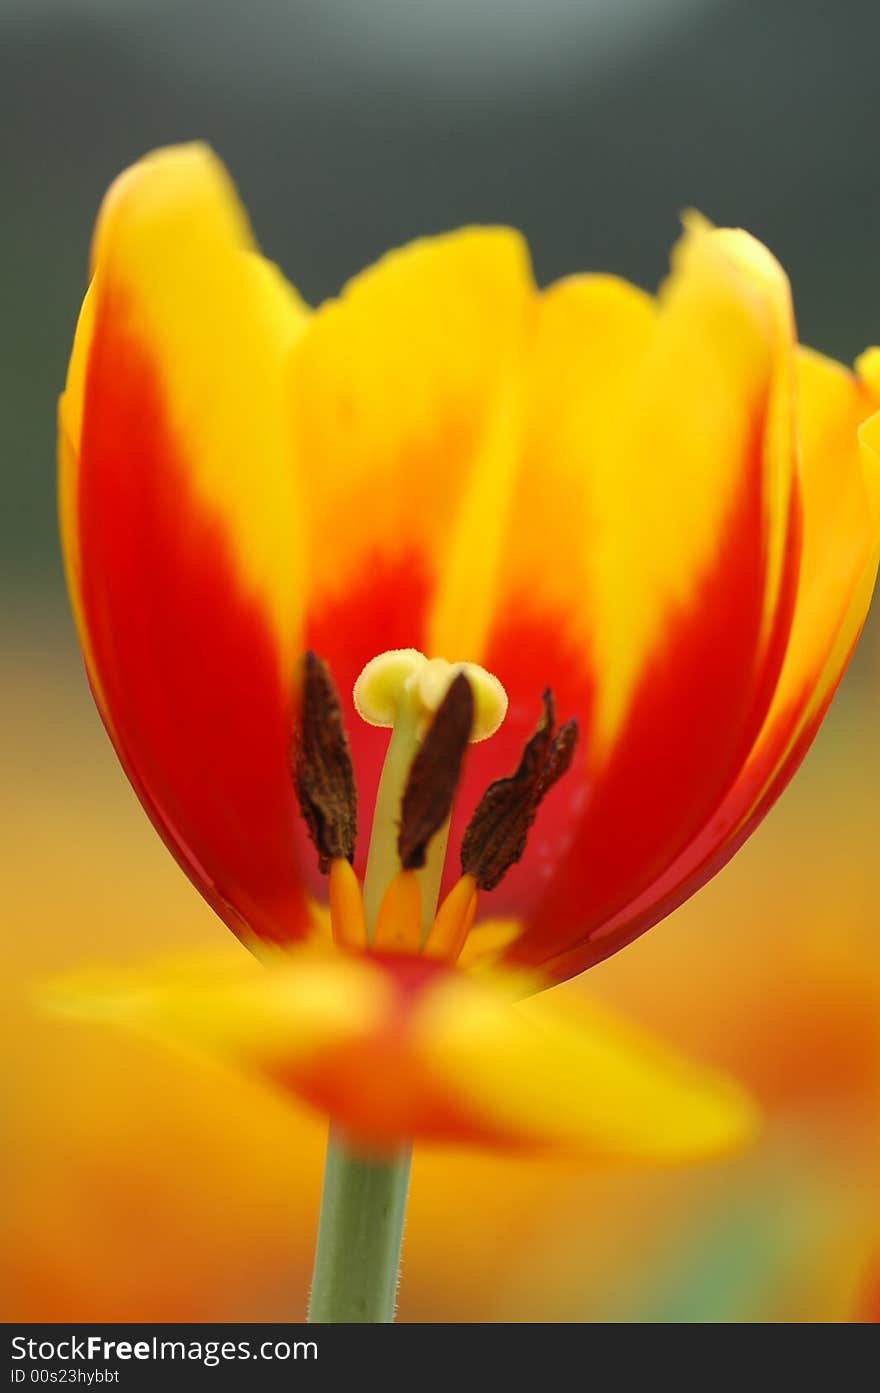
[(497, 833), (435, 773), (559, 758), (323, 776)]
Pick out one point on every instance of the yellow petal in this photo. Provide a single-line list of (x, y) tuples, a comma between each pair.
[(591, 335), (841, 521), (582, 1081), (661, 528), (868, 368), (181, 529), (692, 408), (230, 1005), (403, 397), (487, 941), (840, 489), (397, 1048), (176, 268)]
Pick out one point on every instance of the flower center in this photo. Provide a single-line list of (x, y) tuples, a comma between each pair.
[(434, 709), (405, 690)]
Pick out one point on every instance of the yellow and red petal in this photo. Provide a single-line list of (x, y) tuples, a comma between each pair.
[(181, 528), (840, 440), (405, 396), (401, 394), (396, 1049), (662, 471)]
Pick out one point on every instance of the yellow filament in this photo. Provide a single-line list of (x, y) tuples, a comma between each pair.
[(346, 906), (453, 922), (398, 926)]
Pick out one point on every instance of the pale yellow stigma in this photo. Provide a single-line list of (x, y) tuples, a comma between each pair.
[(404, 677)]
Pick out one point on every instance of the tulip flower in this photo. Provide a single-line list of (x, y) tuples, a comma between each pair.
[(597, 560)]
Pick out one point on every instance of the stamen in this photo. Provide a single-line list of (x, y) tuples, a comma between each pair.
[(434, 708), (346, 906), (453, 922), (405, 690), (398, 926), (434, 774), (496, 836), (323, 776)]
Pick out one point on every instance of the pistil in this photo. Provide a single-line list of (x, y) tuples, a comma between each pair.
[(383, 862), (434, 708)]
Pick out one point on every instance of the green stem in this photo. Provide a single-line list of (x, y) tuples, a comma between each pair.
[(357, 1259)]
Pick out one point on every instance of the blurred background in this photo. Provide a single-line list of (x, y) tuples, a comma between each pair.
[(140, 1188)]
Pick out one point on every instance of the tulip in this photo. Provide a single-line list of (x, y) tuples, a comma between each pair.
[(597, 559)]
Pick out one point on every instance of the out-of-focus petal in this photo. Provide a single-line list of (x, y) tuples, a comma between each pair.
[(396, 1048), (182, 529)]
